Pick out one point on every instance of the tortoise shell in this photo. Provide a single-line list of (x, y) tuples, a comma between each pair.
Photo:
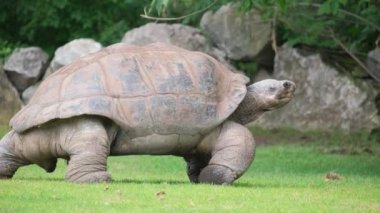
[(157, 88)]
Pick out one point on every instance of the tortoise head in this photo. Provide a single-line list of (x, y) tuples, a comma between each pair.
[(263, 96), (271, 94)]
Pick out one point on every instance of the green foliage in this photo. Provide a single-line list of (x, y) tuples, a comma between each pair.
[(6, 48), (319, 23), (249, 68), (322, 23), (312, 22), (51, 23), (179, 8)]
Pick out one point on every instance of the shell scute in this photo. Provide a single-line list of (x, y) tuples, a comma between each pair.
[(124, 76)]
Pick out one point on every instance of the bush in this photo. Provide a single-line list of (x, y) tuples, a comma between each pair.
[(331, 24), (51, 23)]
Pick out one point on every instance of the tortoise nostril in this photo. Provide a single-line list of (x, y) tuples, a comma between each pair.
[(287, 85)]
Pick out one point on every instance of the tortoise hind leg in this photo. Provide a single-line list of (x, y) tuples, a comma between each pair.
[(88, 149), (9, 160)]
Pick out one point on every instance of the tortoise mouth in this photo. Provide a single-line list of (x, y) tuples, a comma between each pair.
[(287, 93), (286, 96), (281, 99)]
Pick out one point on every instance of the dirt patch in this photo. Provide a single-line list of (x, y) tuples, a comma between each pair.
[(267, 140)]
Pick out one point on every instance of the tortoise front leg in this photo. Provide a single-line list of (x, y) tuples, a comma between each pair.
[(232, 154)]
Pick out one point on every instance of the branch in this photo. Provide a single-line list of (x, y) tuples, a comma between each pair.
[(345, 12), (340, 43), (145, 15), (273, 34)]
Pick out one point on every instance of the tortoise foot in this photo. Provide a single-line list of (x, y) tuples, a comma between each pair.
[(217, 174), (94, 177), (6, 172)]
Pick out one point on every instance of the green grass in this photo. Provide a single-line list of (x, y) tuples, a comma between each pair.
[(4, 130), (284, 177)]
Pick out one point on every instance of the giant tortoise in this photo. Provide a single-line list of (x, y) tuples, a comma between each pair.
[(156, 99)]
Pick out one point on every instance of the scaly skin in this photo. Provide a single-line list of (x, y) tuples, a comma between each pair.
[(9, 160), (85, 141), (230, 148), (223, 155)]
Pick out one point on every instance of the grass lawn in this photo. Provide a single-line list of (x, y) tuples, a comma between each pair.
[(285, 177)]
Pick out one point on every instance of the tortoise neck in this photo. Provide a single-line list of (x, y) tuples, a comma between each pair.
[(248, 110)]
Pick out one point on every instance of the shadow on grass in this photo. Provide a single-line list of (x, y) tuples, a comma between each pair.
[(52, 179), (174, 182), (234, 185), (151, 181), (273, 185), (126, 181)]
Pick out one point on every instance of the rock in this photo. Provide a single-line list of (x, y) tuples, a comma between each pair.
[(324, 99), (10, 101), (373, 63), (262, 74), (25, 66), (28, 93), (239, 35), (176, 34), (70, 52)]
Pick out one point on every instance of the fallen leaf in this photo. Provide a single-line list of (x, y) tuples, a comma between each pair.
[(332, 176), (160, 194)]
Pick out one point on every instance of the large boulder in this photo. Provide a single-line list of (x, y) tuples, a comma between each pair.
[(240, 35), (25, 66), (28, 92), (373, 63), (10, 101), (71, 51), (176, 34), (324, 99)]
